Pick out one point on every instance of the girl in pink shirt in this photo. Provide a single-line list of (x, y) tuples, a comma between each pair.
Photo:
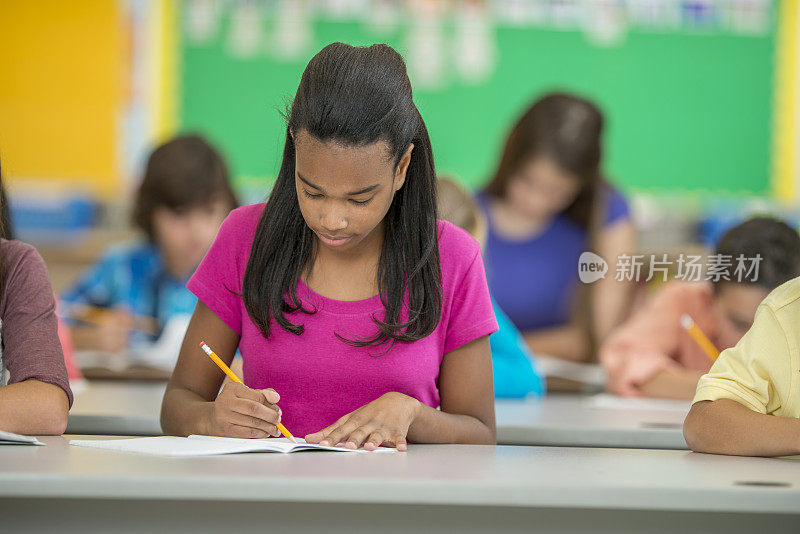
[(653, 355), (351, 305)]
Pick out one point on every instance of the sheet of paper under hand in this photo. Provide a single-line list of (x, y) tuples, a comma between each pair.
[(207, 445), (9, 438)]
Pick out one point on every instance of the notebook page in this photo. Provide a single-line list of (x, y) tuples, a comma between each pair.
[(199, 446), (9, 438), (164, 446), (285, 445)]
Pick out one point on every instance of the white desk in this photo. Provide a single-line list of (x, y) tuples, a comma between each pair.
[(445, 488), (578, 421), (120, 408), (133, 408)]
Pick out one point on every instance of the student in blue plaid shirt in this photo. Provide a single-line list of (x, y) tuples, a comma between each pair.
[(183, 198)]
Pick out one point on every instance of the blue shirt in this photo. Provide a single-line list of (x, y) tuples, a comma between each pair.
[(132, 276), (515, 373), (534, 279)]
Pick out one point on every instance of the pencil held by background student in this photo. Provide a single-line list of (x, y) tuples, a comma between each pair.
[(651, 354)]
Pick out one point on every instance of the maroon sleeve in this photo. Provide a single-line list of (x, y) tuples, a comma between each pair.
[(31, 349)]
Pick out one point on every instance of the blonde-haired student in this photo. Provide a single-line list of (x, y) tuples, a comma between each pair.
[(34, 389), (749, 403), (516, 374)]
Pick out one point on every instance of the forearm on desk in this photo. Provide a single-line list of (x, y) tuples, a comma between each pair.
[(184, 412), (33, 407), (726, 427), (435, 426), (672, 384)]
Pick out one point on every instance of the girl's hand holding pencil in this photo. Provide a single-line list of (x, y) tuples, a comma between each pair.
[(241, 412)]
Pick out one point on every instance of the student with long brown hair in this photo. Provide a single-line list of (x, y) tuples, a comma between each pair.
[(546, 204), (34, 389)]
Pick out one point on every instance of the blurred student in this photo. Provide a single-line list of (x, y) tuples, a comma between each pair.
[(183, 198), (653, 355), (749, 403), (545, 205), (514, 367), (34, 389)]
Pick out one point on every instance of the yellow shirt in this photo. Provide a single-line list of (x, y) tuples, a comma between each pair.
[(762, 371)]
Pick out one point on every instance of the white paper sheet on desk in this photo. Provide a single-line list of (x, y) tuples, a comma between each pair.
[(208, 445), (586, 373), (9, 438), (614, 402)]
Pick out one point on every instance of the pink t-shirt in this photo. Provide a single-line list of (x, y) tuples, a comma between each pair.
[(319, 377)]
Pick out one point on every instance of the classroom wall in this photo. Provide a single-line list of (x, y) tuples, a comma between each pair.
[(89, 86), (688, 108), (62, 87)]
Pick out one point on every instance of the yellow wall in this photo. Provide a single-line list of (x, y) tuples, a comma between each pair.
[(62, 84), (785, 131)]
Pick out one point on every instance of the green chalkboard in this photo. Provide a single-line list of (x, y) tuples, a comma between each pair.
[(685, 111)]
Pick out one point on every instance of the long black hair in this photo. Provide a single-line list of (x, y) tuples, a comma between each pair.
[(355, 96)]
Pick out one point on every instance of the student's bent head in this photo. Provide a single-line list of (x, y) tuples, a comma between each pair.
[(357, 178), (457, 206), (551, 160), (183, 198), (737, 294)]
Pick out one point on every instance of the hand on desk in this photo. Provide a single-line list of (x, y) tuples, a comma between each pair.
[(241, 412), (648, 373), (107, 332), (384, 421), (672, 384)]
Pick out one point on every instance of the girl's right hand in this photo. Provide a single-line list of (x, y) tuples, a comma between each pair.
[(241, 412)]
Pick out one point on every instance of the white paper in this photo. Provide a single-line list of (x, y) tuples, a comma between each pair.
[(9, 438), (207, 445), (586, 373), (614, 402)]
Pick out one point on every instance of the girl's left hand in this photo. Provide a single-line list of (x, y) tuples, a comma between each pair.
[(383, 421)]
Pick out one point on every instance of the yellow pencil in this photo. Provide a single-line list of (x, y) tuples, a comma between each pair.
[(700, 338), (227, 370)]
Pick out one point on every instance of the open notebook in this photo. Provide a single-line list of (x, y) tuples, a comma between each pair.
[(207, 445), (9, 438)]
